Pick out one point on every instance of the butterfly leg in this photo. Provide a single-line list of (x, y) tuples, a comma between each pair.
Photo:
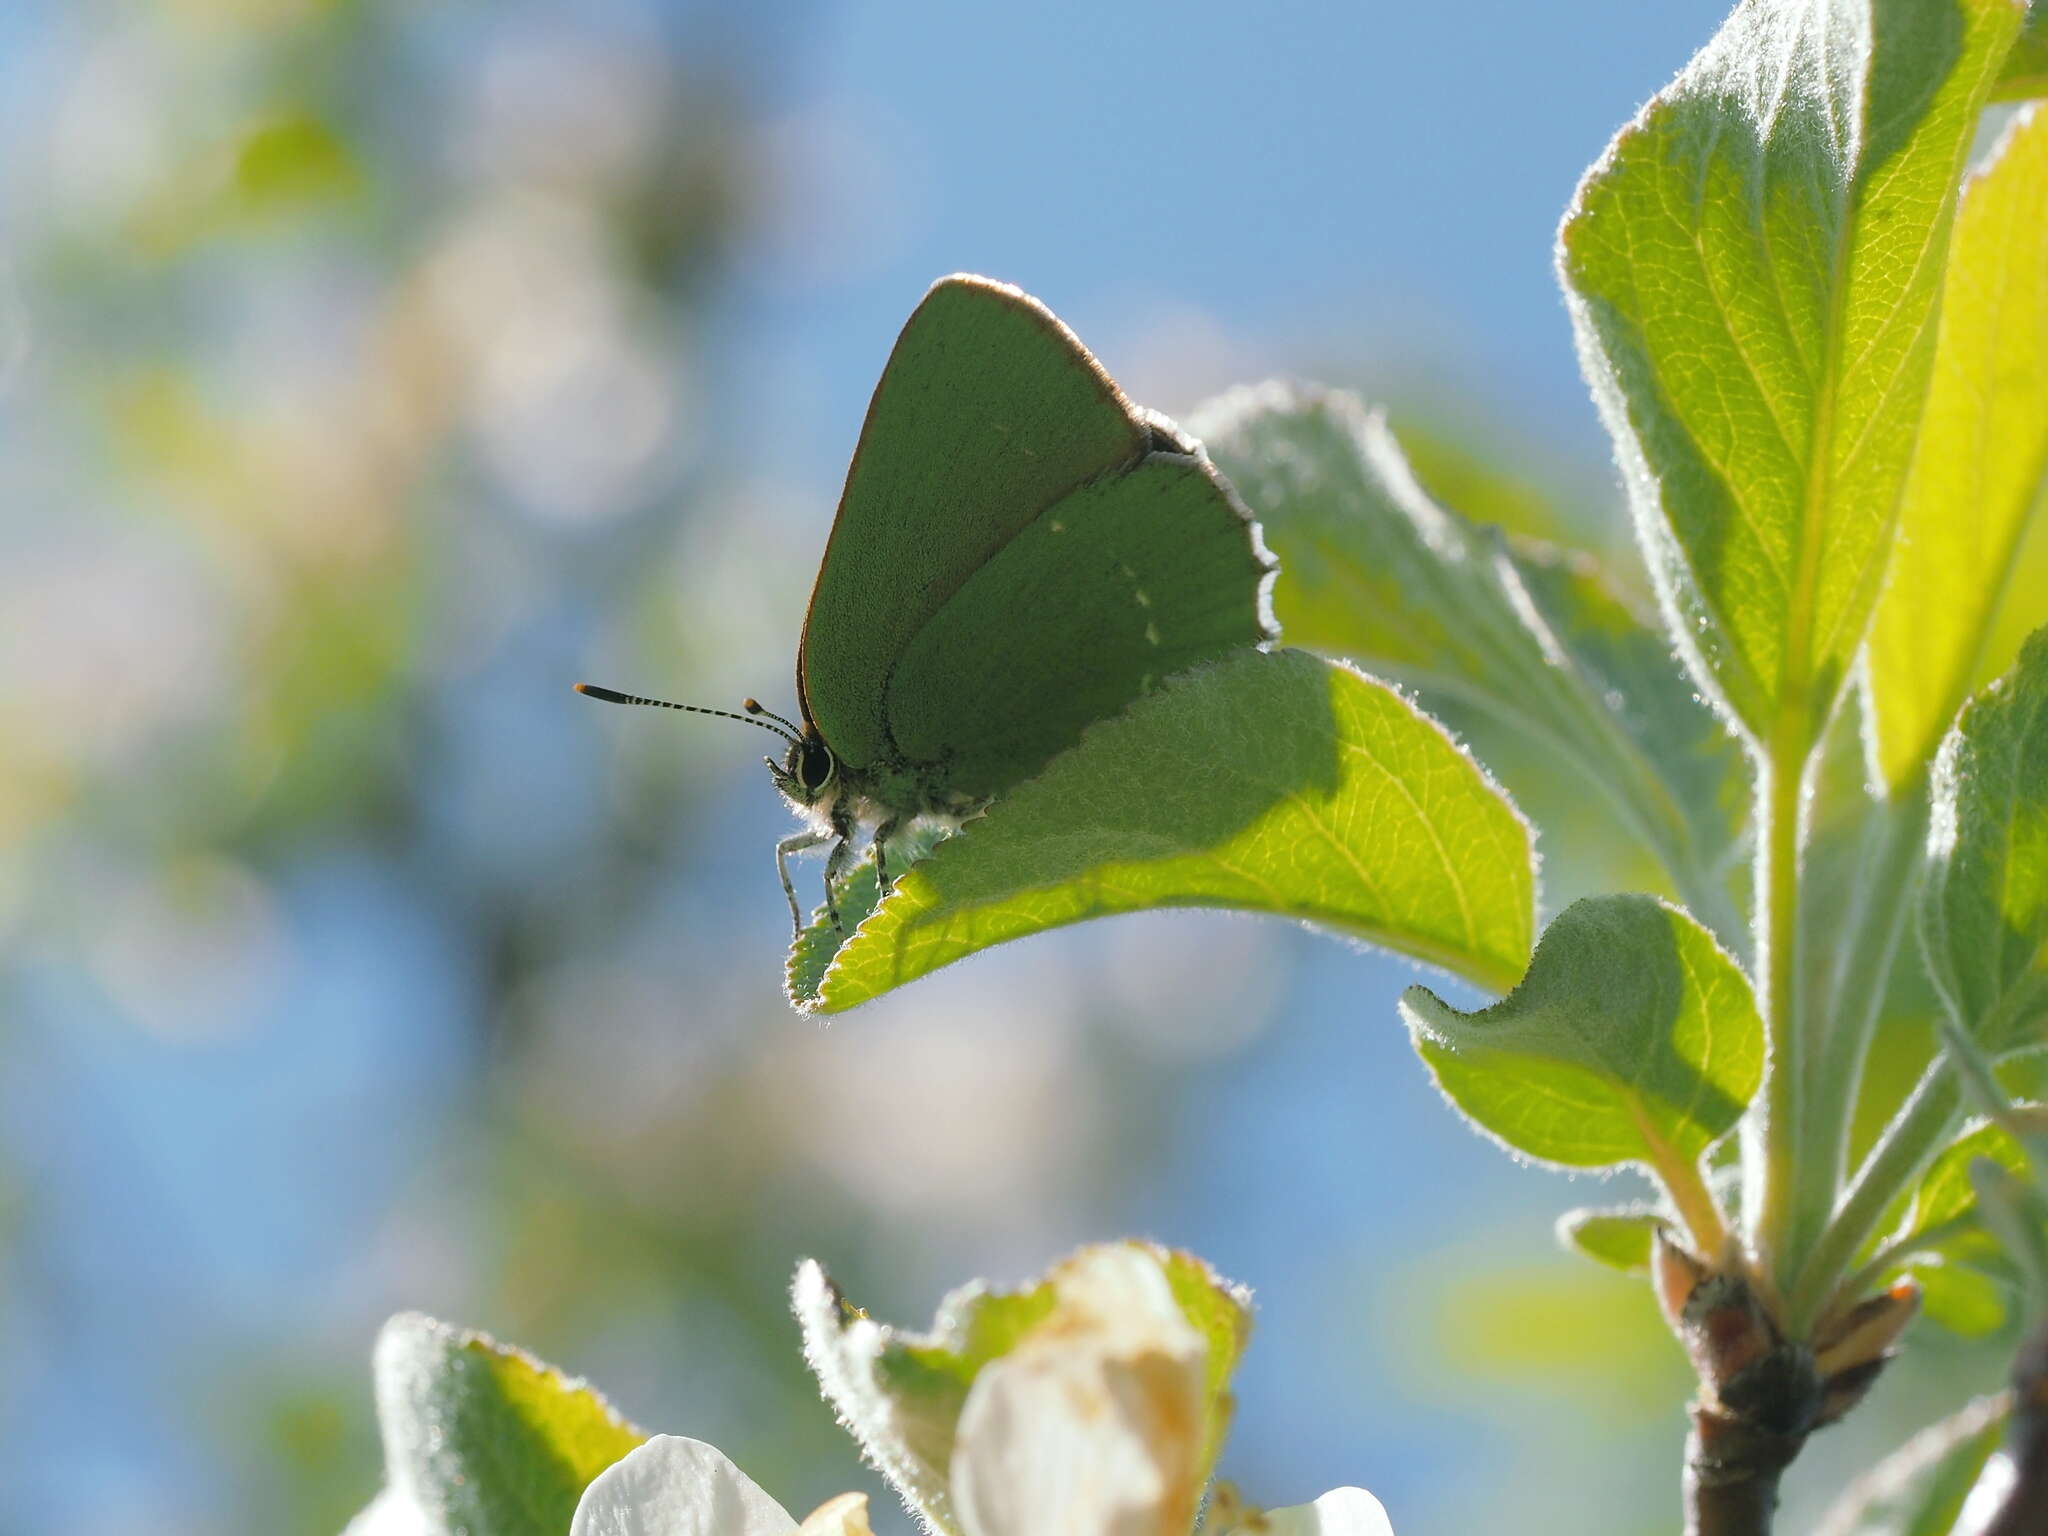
[(797, 842), (835, 861), (883, 833)]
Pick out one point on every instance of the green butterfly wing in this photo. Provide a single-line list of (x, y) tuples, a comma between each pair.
[(988, 412), (1117, 585)]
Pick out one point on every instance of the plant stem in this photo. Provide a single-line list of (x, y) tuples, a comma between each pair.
[(1780, 776), (1731, 1475), (1855, 1004), (1887, 1257), (1908, 1143), (2025, 1508)]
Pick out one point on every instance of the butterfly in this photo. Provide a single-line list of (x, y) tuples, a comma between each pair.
[(1019, 552)]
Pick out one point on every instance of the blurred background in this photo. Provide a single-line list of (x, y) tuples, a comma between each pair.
[(372, 370)]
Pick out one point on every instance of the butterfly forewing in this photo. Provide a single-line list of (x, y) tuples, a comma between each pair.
[(989, 412), (1116, 586)]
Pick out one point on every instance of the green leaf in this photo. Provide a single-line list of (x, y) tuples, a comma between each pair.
[(1753, 271), (857, 893), (1485, 476), (1919, 1489), (2016, 1215), (1984, 1085), (1618, 1237), (1528, 640), (2026, 66), (1984, 901), (1371, 568), (291, 161), (1962, 1297), (1221, 1311), (2023, 1074), (1977, 469), (1944, 1242), (486, 1440), (1685, 765), (1945, 1195), (273, 171), (901, 1394), (1634, 1038), (1274, 783)]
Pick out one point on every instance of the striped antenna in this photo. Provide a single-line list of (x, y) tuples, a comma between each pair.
[(755, 707), (613, 696)]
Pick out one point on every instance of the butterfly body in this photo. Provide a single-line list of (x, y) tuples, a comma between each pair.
[(837, 803), (1019, 552)]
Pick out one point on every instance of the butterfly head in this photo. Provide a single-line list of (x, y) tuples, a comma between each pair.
[(808, 772)]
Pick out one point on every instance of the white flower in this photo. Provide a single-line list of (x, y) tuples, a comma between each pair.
[(391, 1513), (1340, 1512), (1093, 1414), (846, 1515), (1094, 1422), (1093, 1425), (673, 1486)]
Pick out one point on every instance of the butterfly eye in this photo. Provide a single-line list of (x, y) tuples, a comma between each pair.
[(814, 765)]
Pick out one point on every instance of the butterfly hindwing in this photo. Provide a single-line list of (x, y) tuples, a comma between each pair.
[(1115, 587), (988, 412)]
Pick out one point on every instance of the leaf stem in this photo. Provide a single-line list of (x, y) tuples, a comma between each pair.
[(1856, 994), (1694, 1202), (1908, 1143), (1690, 1194), (1902, 1152), (1775, 1146), (1976, 1075), (1889, 1256)]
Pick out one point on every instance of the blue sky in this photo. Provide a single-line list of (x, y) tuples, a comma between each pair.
[(1207, 193), (1368, 187)]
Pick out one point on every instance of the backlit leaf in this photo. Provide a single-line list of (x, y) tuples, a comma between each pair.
[(2026, 67), (1984, 908), (1754, 269), (1634, 1038), (1275, 783), (1944, 1194), (1977, 470), (485, 1440), (1509, 635), (1618, 1237)]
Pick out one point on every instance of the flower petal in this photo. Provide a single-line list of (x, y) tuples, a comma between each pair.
[(1340, 1512), (673, 1486), (391, 1513), (846, 1515), (1093, 1424)]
